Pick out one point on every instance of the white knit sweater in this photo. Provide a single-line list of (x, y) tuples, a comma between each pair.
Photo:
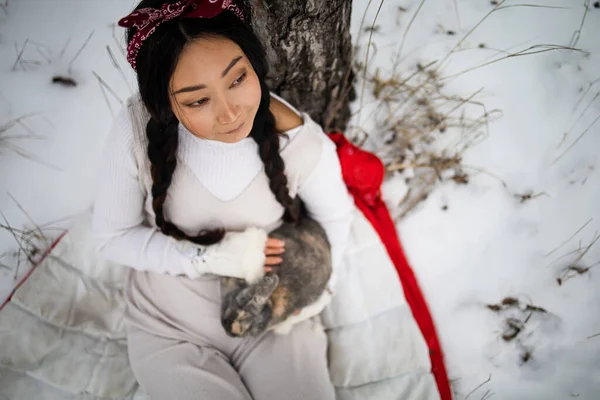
[(225, 170)]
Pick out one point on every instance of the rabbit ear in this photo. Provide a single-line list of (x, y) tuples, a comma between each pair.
[(244, 295), (266, 286), (254, 298)]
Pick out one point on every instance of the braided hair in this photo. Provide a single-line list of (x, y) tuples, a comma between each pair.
[(156, 62)]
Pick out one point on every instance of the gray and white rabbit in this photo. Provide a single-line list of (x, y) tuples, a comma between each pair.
[(299, 282)]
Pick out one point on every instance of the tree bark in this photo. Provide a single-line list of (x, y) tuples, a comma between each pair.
[(310, 55)]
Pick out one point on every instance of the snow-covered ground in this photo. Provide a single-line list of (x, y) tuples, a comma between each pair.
[(470, 245)]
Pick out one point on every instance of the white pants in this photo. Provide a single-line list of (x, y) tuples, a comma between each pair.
[(179, 351)]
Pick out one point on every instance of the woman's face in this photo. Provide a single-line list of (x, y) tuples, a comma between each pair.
[(214, 91)]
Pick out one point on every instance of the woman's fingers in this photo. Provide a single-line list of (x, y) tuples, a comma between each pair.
[(271, 242), (273, 247), (269, 261)]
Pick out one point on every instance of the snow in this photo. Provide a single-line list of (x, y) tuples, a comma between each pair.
[(470, 245)]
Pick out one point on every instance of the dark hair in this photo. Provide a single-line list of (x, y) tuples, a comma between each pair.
[(156, 62)]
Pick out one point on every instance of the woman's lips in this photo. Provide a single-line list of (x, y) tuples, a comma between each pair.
[(236, 129)]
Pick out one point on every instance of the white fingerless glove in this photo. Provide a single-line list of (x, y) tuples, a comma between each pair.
[(239, 255)]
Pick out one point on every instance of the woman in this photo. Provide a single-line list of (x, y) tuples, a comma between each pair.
[(206, 149)]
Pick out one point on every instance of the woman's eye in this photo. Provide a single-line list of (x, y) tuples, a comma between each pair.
[(239, 80), (198, 103)]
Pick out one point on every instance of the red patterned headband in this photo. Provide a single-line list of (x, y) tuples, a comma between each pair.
[(146, 20)]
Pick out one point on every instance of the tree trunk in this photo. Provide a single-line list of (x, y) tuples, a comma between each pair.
[(310, 54)]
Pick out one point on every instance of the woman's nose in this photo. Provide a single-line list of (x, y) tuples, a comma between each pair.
[(228, 112)]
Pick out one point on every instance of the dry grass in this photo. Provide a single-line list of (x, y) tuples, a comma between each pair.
[(414, 114), (575, 266), (80, 51), (9, 139), (31, 240), (516, 314)]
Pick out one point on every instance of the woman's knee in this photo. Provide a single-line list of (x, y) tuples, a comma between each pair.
[(289, 366), (171, 369)]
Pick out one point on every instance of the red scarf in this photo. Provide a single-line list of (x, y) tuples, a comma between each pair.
[(363, 174)]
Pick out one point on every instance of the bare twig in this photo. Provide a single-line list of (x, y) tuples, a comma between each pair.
[(499, 6), (590, 84), (569, 239), (62, 52), (5, 140), (483, 383), (80, 50), (21, 248), (107, 87), (585, 251), (578, 118), (502, 181), (461, 41), (457, 14), (19, 54), (118, 67), (364, 77), (593, 336), (412, 19), (536, 49), (112, 113), (576, 140), (577, 33), (487, 395), (119, 45), (36, 227)]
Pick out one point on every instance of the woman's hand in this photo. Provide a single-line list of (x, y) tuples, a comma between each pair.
[(273, 248)]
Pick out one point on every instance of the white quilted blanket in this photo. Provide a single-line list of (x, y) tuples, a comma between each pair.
[(62, 335)]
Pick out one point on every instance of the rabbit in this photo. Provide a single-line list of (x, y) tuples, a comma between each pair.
[(299, 281)]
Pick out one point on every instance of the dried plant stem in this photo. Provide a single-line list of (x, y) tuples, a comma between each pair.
[(585, 251), (19, 242), (525, 52), (579, 118), (487, 395), (498, 7), (62, 52), (418, 198), (36, 227), (569, 239), (586, 130), (364, 77), (461, 41), (80, 50), (118, 67), (483, 171), (19, 54), (119, 45), (592, 83), (346, 86), (410, 23), (458, 25), (107, 87), (482, 384), (577, 33)]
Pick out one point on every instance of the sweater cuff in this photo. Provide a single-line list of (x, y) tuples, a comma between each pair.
[(190, 254)]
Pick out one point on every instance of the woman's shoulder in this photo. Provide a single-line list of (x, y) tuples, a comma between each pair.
[(287, 118), (303, 145), (294, 124)]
